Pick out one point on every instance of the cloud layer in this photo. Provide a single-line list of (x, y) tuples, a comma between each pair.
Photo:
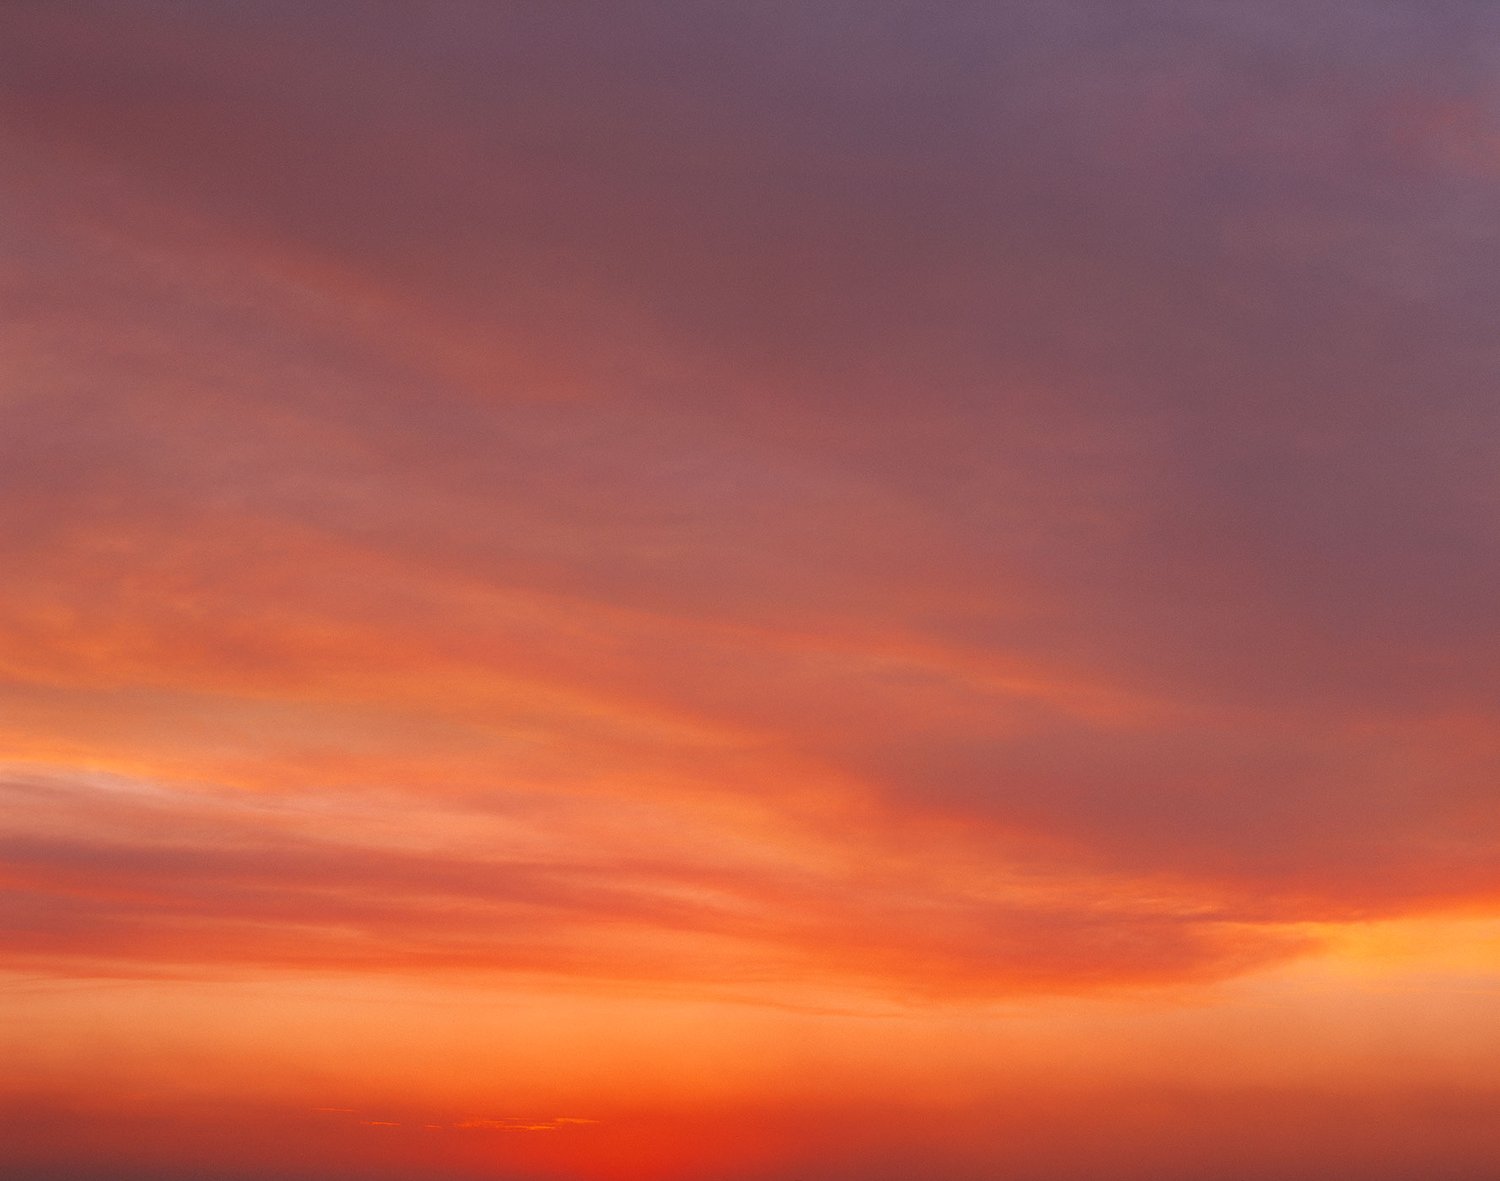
[(948, 504)]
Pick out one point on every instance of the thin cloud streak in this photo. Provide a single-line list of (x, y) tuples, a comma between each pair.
[(142, 879)]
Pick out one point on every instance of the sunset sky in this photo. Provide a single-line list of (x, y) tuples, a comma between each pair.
[(806, 590)]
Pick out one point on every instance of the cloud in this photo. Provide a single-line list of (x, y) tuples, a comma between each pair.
[(987, 456), (859, 590), (523, 1125), (140, 880)]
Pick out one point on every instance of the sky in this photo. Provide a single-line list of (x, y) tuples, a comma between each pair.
[(840, 589)]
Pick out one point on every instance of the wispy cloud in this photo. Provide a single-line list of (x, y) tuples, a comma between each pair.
[(122, 879)]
